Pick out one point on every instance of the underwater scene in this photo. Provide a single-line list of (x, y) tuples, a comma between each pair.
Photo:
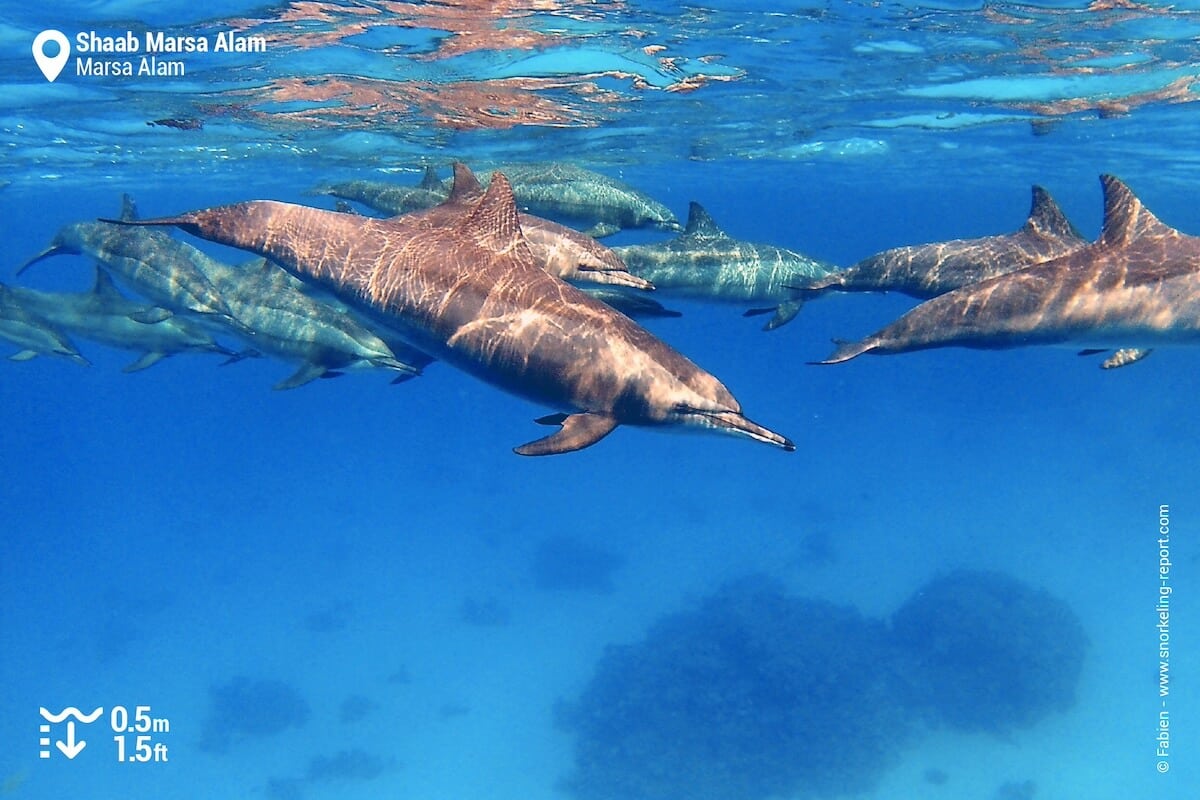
[(618, 400)]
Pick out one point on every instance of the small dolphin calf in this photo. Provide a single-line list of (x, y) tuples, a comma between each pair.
[(469, 292), (390, 198), (576, 195), (706, 263), (1139, 283)]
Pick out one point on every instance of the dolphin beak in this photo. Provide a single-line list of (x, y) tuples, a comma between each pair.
[(733, 422)]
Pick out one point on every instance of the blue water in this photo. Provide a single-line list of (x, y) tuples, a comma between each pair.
[(356, 590)]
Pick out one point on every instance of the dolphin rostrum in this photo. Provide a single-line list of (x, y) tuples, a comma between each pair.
[(1139, 283), (469, 292)]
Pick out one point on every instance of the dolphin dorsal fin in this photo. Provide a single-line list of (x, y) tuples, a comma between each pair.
[(1047, 219), (466, 185), (1125, 218), (430, 179), (129, 210), (103, 286), (700, 224), (493, 222)]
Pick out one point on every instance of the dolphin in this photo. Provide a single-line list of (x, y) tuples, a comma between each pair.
[(707, 263), (33, 334), (1138, 283), (152, 263), (292, 326), (635, 305), (106, 316), (570, 193), (927, 270), (390, 198), (556, 191), (469, 292), (563, 252)]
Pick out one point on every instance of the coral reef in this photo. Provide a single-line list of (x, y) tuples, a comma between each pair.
[(756, 694), (986, 652), (248, 708), (753, 694)]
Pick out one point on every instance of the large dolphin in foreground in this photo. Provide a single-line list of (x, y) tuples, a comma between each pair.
[(1138, 284), (706, 263), (469, 292)]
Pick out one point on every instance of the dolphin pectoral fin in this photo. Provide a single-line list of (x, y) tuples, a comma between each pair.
[(147, 360), (602, 229), (151, 316), (785, 312), (306, 374), (24, 355), (758, 312), (238, 356), (1126, 356), (577, 432)]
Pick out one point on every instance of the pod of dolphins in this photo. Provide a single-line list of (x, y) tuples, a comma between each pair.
[(489, 281)]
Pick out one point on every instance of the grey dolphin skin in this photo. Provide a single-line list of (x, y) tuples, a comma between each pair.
[(927, 270), (705, 262), (33, 334), (558, 191), (390, 198), (155, 265), (561, 251), (1138, 283), (469, 292), (290, 325), (106, 316)]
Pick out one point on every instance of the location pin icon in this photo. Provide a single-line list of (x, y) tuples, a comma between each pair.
[(51, 66)]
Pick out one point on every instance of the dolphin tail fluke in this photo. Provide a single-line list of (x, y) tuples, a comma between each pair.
[(577, 432), (847, 350)]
